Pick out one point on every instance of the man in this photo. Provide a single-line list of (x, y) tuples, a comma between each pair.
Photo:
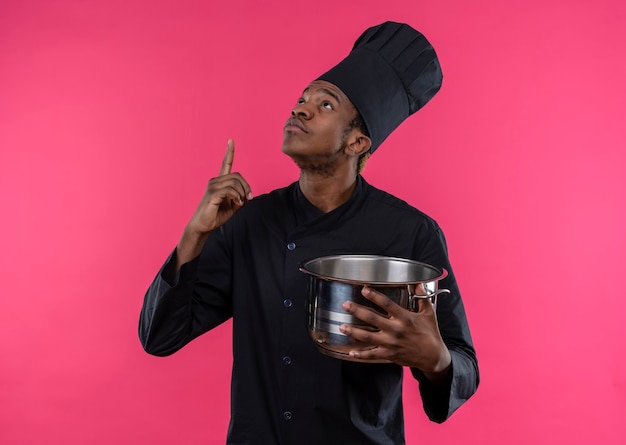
[(238, 257)]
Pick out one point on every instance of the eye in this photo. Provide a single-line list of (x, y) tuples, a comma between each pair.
[(327, 105), (300, 101)]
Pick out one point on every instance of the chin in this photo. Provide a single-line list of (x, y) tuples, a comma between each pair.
[(291, 149)]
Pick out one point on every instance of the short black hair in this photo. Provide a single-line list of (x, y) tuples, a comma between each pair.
[(358, 123)]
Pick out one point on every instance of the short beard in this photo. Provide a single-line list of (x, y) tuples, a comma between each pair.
[(325, 167)]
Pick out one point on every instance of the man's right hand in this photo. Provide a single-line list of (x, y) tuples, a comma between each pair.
[(224, 196)]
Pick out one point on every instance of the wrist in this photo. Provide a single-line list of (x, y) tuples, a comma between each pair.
[(191, 235), (441, 371), (190, 245)]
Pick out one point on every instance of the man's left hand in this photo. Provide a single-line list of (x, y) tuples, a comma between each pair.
[(404, 337)]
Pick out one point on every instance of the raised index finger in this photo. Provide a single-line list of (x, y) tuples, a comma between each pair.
[(227, 163)]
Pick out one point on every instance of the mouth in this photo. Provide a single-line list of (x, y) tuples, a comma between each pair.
[(295, 125)]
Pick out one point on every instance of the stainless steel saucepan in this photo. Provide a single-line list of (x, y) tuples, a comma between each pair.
[(336, 279)]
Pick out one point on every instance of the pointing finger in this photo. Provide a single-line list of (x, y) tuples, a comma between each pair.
[(227, 163)]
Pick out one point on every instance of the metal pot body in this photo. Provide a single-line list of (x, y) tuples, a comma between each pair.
[(336, 279)]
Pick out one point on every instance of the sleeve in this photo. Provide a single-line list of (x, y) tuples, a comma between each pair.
[(197, 300), (442, 400)]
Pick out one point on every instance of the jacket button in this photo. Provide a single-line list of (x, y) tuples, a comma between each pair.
[(286, 360), (291, 246), (287, 302), (287, 415)]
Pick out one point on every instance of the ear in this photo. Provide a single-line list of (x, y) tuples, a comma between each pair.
[(357, 143)]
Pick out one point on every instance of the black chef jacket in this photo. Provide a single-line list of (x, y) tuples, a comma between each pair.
[(283, 390)]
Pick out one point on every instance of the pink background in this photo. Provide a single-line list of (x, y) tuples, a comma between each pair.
[(114, 115)]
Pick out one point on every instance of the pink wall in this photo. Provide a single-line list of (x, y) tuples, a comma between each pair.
[(113, 115)]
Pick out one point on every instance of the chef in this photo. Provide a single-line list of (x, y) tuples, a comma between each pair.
[(238, 258)]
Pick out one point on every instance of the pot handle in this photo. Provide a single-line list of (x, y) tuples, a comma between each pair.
[(432, 297)]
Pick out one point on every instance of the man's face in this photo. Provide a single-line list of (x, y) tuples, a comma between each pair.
[(314, 135)]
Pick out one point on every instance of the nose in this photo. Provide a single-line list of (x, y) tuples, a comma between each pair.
[(301, 110)]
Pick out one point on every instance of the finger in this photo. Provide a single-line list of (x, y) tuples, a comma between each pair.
[(371, 343), (425, 305), (366, 337), (380, 300), (227, 163), (247, 190), (365, 314), (236, 181), (370, 316), (375, 355), (420, 290), (231, 191)]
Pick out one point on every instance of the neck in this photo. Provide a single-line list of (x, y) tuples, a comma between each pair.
[(327, 193)]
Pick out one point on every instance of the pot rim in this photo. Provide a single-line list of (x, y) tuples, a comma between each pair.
[(441, 272)]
